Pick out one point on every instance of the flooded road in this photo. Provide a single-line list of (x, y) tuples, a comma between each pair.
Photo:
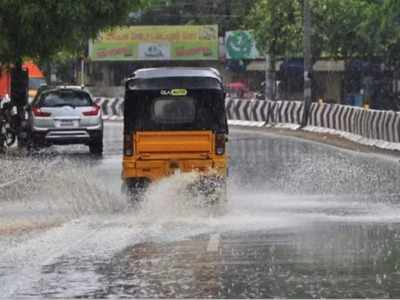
[(303, 220)]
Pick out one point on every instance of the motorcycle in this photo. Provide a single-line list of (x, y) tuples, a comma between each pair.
[(8, 131)]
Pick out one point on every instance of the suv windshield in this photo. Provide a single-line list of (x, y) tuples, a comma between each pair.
[(64, 98)]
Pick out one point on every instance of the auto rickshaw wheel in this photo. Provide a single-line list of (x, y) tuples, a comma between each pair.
[(135, 188)]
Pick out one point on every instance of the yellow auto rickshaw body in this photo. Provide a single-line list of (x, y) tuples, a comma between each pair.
[(159, 154), (174, 119)]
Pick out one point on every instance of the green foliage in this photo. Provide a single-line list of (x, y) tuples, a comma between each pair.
[(346, 29), (339, 26), (228, 14), (382, 29), (277, 26), (39, 29)]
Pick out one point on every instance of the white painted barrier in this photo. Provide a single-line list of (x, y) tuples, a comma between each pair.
[(368, 124)]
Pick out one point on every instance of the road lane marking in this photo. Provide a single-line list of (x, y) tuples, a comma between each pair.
[(213, 243)]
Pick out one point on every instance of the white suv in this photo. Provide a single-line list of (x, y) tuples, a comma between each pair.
[(64, 116)]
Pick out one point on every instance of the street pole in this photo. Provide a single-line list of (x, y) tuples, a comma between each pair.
[(307, 63), (82, 71), (268, 83)]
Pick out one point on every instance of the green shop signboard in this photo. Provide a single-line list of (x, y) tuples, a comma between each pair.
[(241, 45), (156, 43)]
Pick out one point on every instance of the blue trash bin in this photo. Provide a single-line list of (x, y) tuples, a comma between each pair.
[(358, 100)]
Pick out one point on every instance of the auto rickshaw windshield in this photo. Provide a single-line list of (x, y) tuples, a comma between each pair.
[(197, 110)]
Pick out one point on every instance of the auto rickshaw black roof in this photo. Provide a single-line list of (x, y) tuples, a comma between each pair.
[(175, 77)]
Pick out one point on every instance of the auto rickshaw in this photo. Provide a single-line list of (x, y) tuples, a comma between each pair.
[(175, 120)]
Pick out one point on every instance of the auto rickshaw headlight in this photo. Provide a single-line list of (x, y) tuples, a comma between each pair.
[(220, 140)]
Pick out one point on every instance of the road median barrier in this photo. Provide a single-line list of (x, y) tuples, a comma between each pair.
[(361, 125)]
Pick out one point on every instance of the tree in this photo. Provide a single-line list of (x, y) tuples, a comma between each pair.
[(382, 30), (228, 14), (342, 29), (277, 28), (39, 29), (382, 27), (339, 26)]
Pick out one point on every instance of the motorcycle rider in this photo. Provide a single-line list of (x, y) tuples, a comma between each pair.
[(2, 128)]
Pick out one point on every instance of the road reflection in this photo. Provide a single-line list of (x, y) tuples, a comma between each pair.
[(339, 261), (303, 221)]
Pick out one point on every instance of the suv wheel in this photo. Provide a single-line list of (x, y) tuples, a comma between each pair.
[(96, 147)]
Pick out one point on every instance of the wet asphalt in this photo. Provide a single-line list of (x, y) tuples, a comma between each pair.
[(303, 220)]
